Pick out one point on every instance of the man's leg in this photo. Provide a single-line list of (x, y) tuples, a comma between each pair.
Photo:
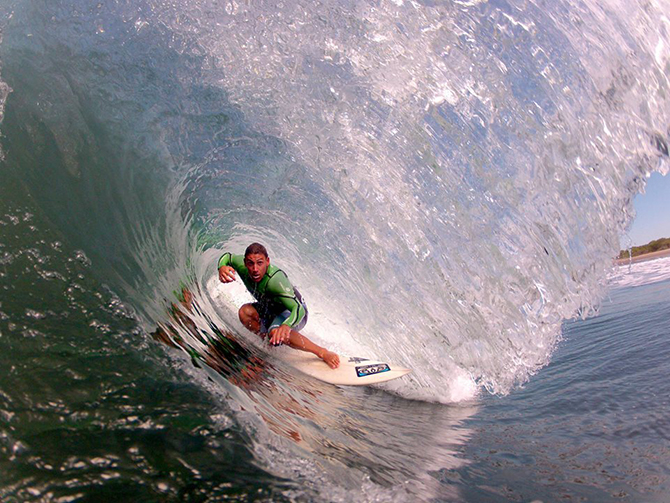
[(299, 341), (250, 318)]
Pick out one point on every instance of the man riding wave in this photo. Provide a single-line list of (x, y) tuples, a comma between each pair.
[(279, 309)]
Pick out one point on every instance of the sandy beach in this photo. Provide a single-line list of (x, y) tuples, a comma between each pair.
[(643, 258)]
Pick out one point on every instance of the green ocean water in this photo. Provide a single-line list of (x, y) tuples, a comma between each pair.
[(88, 411)]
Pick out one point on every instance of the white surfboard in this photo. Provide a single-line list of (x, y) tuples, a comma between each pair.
[(353, 371)]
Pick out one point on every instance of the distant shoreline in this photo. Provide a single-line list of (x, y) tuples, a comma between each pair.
[(643, 258)]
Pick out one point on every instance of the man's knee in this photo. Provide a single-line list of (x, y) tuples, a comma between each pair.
[(248, 313)]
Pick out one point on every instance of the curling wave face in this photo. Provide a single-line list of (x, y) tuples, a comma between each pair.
[(445, 183)]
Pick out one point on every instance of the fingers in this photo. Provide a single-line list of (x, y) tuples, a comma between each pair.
[(226, 274)]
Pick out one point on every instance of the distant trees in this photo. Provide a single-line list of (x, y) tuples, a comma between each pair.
[(652, 246)]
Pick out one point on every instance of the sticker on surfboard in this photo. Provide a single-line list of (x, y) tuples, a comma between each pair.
[(368, 370)]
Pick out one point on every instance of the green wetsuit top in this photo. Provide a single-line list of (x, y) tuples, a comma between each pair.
[(274, 292)]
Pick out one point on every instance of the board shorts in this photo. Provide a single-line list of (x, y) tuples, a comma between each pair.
[(270, 321)]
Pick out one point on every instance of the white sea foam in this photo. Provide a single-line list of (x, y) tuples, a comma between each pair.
[(640, 273)]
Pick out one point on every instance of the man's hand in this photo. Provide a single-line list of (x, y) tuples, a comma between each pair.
[(280, 335), (226, 274)]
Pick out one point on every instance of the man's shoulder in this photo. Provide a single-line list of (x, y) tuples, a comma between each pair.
[(237, 261), (278, 281), (275, 273)]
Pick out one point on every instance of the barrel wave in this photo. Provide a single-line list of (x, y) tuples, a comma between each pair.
[(446, 183)]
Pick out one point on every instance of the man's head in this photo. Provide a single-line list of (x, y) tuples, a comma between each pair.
[(256, 261)]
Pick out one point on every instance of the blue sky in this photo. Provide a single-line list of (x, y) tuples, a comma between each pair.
[(653, 212)]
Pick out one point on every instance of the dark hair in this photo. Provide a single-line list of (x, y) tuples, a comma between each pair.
[(255, 248)]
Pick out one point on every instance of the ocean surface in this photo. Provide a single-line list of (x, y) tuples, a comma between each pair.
[(447, 184)]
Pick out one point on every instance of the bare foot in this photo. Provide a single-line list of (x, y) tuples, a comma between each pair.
[(331, 359)]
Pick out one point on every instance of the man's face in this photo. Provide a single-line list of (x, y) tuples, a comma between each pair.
[(257, 264)]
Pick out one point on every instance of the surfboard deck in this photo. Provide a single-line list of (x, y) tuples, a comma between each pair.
[(353, 371)]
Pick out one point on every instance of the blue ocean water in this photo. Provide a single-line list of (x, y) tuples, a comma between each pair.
[(445, 182), (592, 425)]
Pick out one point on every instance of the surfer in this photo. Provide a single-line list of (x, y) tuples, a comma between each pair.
[(279, 309)]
